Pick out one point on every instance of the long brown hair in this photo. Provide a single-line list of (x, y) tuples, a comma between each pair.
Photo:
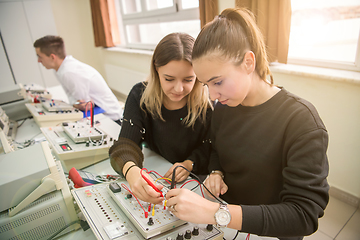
[(230, 35), (175, 46)]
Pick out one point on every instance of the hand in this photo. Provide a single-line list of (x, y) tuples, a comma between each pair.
[(81, 105), (141, 188), (216, 185), (181, 174), (191, 207)]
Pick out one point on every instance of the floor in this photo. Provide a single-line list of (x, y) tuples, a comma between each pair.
[(340, 222)]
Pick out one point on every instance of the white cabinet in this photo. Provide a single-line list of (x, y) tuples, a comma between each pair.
[(21, 23)]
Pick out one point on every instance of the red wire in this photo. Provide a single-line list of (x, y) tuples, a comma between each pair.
[(149, 182), (248, 237), (197, 182), (86, 110), (124, 186), (91, 114)]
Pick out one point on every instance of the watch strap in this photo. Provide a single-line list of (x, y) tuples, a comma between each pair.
[(217, 172)]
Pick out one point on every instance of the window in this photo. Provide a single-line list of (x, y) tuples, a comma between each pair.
[(325, 33), (144, 23)]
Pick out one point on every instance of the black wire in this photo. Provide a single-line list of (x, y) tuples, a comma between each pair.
[(63, 228), (194, 176), (21, 123), (236, 235), (195, 187)]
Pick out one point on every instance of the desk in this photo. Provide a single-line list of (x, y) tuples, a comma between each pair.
[(152, 162), (29, 130)]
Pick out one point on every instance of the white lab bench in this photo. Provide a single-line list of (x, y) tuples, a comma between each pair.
[(29, 130)]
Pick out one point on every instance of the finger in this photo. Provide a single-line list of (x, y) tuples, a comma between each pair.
[(152, 196), (171, 194), (214, 187), (218, 187), (168, 173), (159, 186), (224, 189), (178, 176), (182, 176)]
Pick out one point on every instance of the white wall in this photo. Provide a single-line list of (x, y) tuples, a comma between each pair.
[(338, 103), (74, 25)]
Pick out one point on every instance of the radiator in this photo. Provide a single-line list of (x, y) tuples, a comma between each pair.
[(122, 79)]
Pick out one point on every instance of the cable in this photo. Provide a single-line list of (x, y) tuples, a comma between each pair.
[(163, 178), (154, 172), (63, 228), (194, 176), (91, 112), (150, 183), (21, 123), (197, 182), (237, 233)]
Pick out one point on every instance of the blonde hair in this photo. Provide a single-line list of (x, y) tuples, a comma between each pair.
[(231, 34), (174, 47)]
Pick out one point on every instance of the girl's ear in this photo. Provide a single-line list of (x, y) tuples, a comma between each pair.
[(249, 61)]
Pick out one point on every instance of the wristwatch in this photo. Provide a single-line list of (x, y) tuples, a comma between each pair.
[(222, 216)]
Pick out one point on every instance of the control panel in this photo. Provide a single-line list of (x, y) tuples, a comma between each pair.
[(110, 220), (76, 144), (7, 125), (4, 121), (34, 92), (82, 131), (150, 220), (47, 114), (57, 106)]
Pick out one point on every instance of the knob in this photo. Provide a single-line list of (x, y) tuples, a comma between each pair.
[(209, 227), (151, 221), (195, 231), (180, 236), (187, 234), (87, 143)]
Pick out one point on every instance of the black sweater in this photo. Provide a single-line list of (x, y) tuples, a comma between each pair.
[(171, 139), (275, 164)]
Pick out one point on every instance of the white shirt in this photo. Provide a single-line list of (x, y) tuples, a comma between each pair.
[(81, 81)]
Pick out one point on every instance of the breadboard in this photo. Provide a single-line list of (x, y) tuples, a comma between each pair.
[(109, 221)]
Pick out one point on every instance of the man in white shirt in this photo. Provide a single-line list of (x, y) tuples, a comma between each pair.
[(81, 82)]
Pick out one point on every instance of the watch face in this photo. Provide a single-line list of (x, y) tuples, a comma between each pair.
[(222, 217)]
